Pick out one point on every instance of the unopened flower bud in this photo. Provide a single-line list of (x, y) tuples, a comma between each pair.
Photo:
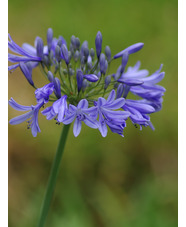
[(92, 53), (49, 38), (46, 60), (39, 47), (76, 55), (125, 58), (107, 81), (73, 40), (91, 77), (57, 87), (102, 62), (106, 66), (84, 85), (108, 53), (79, 77), (118, 73), (65, 53), (77, 43), (98, 43), (86, 53), (50, 76), (89, 62), (58, 53)]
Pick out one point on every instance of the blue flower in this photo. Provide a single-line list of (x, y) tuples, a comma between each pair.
[(32, 115), (59, 108), (42, 94), (108, 116), (26, 56), (149, 89), (80, 113), (138, 112)]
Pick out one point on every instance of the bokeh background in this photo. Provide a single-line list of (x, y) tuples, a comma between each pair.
[(103, 182)]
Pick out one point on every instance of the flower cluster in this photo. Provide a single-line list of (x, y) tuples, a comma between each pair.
[(78, 82)]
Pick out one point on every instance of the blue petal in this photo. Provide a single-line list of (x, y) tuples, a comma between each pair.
[(131, 49), (130, 82), (29, 48), (111, 114), (35, 126), (101, 101), (49, 113), (90, 122), (82, 104), (25, 70), (102, 126), (11, 67), (111, 96), (21, 118), (143, 108), (155, 78), (69, 118), (17, 106), (77, 127), (15, 58), (116, 104)]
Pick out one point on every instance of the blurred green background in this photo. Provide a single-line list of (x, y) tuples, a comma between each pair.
[(103, 182)]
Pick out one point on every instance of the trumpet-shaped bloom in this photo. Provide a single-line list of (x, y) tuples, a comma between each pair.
[(80, 113), (59, 108), (32, 115), (108, 116)]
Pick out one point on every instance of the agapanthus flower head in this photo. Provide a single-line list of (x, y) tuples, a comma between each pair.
[(80, 87)]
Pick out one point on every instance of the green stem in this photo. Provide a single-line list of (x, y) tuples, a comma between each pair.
[(53, 176)]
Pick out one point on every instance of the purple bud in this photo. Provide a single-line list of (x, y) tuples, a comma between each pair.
[(131, 49), (89, 62), (108, 53), (50, 76), (59, 42), (107, 81), (63, 40), (99, 74), (92, 53), (77, 43), (86, 52), (73, 40), (65, 53), (46, 60), (58, 53), (118, 73), (76, 56), (102, 62), (27, 72), (120, 91), (39, 47), (84, 44), (125, 58), (91, 77), (57, 87), (84, 85), (49, 38), (98, 43), (106, 66), (79, 77)]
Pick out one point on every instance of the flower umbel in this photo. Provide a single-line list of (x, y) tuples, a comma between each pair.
[(81, 87)]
